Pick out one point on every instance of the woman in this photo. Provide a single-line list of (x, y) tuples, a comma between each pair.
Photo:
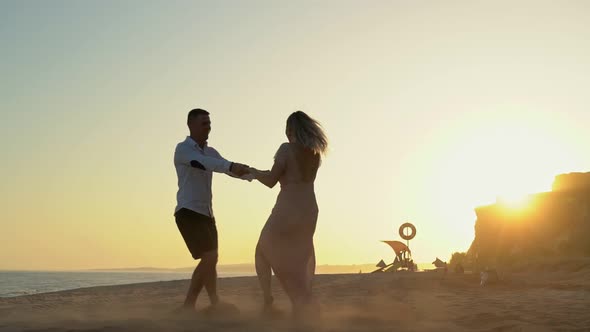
[(286, 241)]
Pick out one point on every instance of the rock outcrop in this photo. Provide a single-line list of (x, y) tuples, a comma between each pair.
[(548, 225)]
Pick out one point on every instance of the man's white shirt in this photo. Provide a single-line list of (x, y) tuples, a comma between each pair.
[(194, 168)]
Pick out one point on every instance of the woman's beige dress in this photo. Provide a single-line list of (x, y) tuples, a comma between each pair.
[(286, 241)]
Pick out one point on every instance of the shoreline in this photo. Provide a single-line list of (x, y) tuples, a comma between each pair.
[(21, 283)]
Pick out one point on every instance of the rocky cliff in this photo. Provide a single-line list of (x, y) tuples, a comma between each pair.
[(549, 225)]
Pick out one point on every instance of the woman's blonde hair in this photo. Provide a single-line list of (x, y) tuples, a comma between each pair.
[(308, 132)]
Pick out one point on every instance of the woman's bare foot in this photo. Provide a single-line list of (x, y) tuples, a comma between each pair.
[(307, 312), (270, 311)]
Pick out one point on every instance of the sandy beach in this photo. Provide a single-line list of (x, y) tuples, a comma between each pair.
[(423, 301)]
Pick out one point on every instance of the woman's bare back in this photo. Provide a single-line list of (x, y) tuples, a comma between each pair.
[(301, 165)]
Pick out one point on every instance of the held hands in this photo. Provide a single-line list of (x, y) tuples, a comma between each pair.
[(239, 169), (253, 171), (246, 172), (257, 173)]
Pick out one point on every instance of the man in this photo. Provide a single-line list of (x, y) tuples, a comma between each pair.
[(195, 163)]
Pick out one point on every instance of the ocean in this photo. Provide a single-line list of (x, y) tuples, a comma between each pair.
[(17, 283)]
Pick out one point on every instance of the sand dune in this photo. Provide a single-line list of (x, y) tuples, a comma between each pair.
[(352, 302)]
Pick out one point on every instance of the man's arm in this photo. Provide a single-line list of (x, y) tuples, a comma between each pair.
[(184, 155), (237, 170)]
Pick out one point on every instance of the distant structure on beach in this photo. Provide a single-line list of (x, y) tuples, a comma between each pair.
[(544, 225), (403, 254), (439, 264)]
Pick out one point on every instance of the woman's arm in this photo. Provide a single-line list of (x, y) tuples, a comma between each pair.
[(270, 178), (264, 177)]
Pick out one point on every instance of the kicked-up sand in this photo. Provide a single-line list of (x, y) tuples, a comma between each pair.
[(422, 301)]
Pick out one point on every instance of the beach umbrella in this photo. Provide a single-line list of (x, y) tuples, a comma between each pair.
[(398, 247)]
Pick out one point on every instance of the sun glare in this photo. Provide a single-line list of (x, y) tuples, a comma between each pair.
[(514, 202), (496, 161)]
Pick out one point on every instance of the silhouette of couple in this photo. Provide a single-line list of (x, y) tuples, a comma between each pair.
[(285, 245)]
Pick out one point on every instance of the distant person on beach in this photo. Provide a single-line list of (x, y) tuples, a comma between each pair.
[(195, 163), (286, 245)]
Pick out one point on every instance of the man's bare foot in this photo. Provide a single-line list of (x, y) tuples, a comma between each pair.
[(221, 309), (183, 310)]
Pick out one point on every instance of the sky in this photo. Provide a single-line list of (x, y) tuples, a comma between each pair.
[(432, 108)]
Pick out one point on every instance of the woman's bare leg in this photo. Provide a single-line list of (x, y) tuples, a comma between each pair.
[(264, 272)]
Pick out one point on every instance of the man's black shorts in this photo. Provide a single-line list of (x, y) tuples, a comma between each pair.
[(198, 231)]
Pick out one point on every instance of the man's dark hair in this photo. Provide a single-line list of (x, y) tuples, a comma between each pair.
[(194, 113)]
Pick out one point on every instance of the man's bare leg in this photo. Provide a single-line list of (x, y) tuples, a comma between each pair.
[(195, 287), (204, 275), (210, 277)]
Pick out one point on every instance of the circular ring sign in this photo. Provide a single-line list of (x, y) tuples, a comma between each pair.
[(403, 234)]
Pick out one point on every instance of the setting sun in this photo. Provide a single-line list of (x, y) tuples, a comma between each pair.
[(514, 203), (503, 155)]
